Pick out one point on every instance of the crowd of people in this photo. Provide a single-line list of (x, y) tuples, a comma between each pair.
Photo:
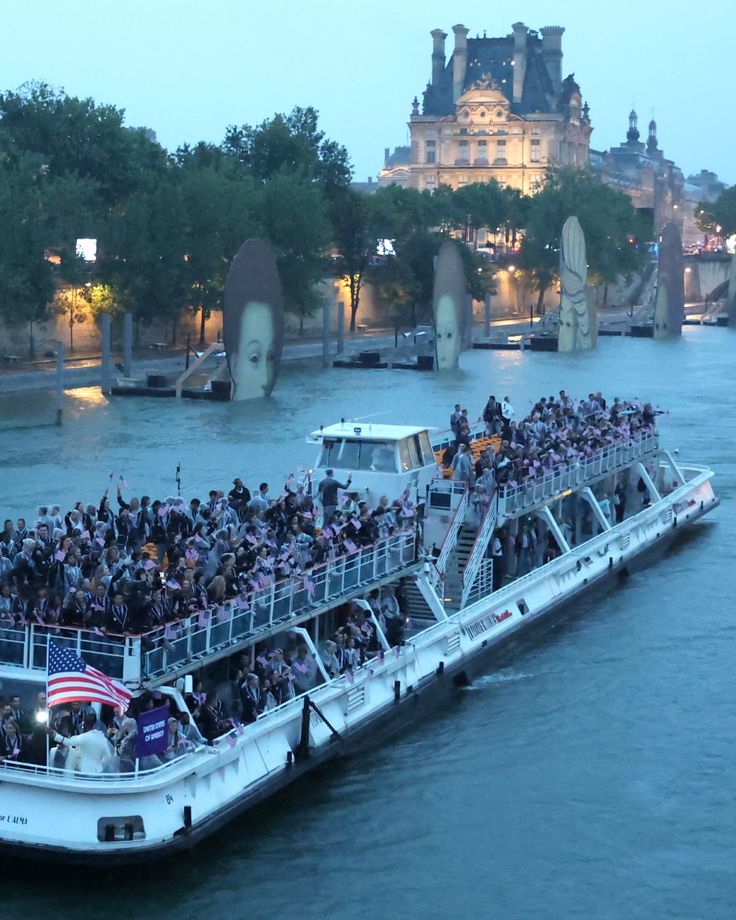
[(128, 566), (556, 434), (84, 740)]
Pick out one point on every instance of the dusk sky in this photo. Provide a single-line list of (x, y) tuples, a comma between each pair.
[(188, 69)]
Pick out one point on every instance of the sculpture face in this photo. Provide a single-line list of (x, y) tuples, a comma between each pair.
[(578, 319), (447, 326), (448, 299), (254, 371), (253, 321)]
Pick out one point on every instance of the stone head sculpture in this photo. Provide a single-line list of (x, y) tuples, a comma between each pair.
[(670, 300), (577, 330), (448, 305), (253, 321)]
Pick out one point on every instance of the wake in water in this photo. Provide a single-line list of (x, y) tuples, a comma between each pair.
[(500, 677)]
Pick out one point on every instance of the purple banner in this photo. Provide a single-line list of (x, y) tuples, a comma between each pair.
[(152, 732)]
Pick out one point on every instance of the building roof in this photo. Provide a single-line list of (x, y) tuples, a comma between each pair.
[(494, 56), (365, 431)]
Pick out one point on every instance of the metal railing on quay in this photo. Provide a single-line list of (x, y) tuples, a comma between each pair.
[(606, 460)]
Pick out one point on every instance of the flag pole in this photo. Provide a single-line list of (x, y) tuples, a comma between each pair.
[(48, 708)]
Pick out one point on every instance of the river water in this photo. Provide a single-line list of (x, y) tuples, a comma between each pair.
[(589, 774)]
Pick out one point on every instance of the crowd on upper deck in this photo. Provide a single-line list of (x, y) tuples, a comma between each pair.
[(556, 434), (128, 566)]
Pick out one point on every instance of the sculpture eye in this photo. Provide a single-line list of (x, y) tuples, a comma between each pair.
[(254, 359)]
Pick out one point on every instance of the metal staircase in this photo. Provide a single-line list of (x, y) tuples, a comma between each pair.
[(418, 609), (456, 564)]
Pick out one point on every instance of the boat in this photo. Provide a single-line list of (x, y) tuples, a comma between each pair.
[(455, 620)]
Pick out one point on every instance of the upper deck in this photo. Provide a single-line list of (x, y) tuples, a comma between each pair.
[(183, 645)]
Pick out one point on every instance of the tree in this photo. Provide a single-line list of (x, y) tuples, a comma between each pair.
[(608, 220), (290, 143), (293, 213), (26, 278), (355, 232), (79, 137), (143, 252), (220, 205), (720, 213)]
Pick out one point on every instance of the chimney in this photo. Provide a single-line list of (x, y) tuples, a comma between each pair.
[(459, 61), (520, 31), (552, 55), (438, 55)]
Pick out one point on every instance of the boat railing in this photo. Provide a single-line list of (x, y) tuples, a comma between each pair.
[(513, 500), (446, 436), (132, 658), (17, 767), (478, 552), (222, 742)]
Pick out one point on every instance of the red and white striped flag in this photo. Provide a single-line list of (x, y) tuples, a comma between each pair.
[(71, 680)]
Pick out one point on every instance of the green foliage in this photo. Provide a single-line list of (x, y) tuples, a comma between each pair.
[(26, 279), (719, 213), (293, 213), (608, 220), (290, 143)]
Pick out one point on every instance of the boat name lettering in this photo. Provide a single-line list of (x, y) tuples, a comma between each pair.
[(485, 623), (13, 819)]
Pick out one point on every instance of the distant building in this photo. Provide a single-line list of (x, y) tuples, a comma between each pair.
[(655, 184), (498, 109)]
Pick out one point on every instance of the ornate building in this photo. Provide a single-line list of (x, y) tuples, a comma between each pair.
[(498, 109), (654, 183)]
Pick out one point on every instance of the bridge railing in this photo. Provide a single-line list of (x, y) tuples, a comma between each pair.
[(513, 500)]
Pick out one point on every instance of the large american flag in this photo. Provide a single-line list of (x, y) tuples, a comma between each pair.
[(70, 680)]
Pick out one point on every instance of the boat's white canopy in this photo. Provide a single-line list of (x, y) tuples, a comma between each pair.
[(358, 431)]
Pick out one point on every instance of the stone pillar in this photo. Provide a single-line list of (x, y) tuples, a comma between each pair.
[(340, 327), (487, 316), (326, 330), (128, 345), (438, 55), (105, 366), (459, 60), (520, 32), (59, 382), (552, 54)]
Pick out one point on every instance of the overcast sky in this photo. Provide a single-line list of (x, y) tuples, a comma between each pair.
[(189, 68)]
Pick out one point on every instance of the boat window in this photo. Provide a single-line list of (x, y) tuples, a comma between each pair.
[(347, 454), (426, 448), (404, 456), (416, 462)]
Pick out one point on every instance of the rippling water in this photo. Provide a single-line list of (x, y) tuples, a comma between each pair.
[(588, 774)]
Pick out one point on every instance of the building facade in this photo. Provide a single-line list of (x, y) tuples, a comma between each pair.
[(498, 109), (655, 184)]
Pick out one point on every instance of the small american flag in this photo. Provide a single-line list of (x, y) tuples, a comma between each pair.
[(350, 546), (71, 680), (231, 738)]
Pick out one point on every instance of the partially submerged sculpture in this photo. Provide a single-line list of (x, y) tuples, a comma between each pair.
[(670, 300), (448, 305), (578, 329), (253, 320)]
